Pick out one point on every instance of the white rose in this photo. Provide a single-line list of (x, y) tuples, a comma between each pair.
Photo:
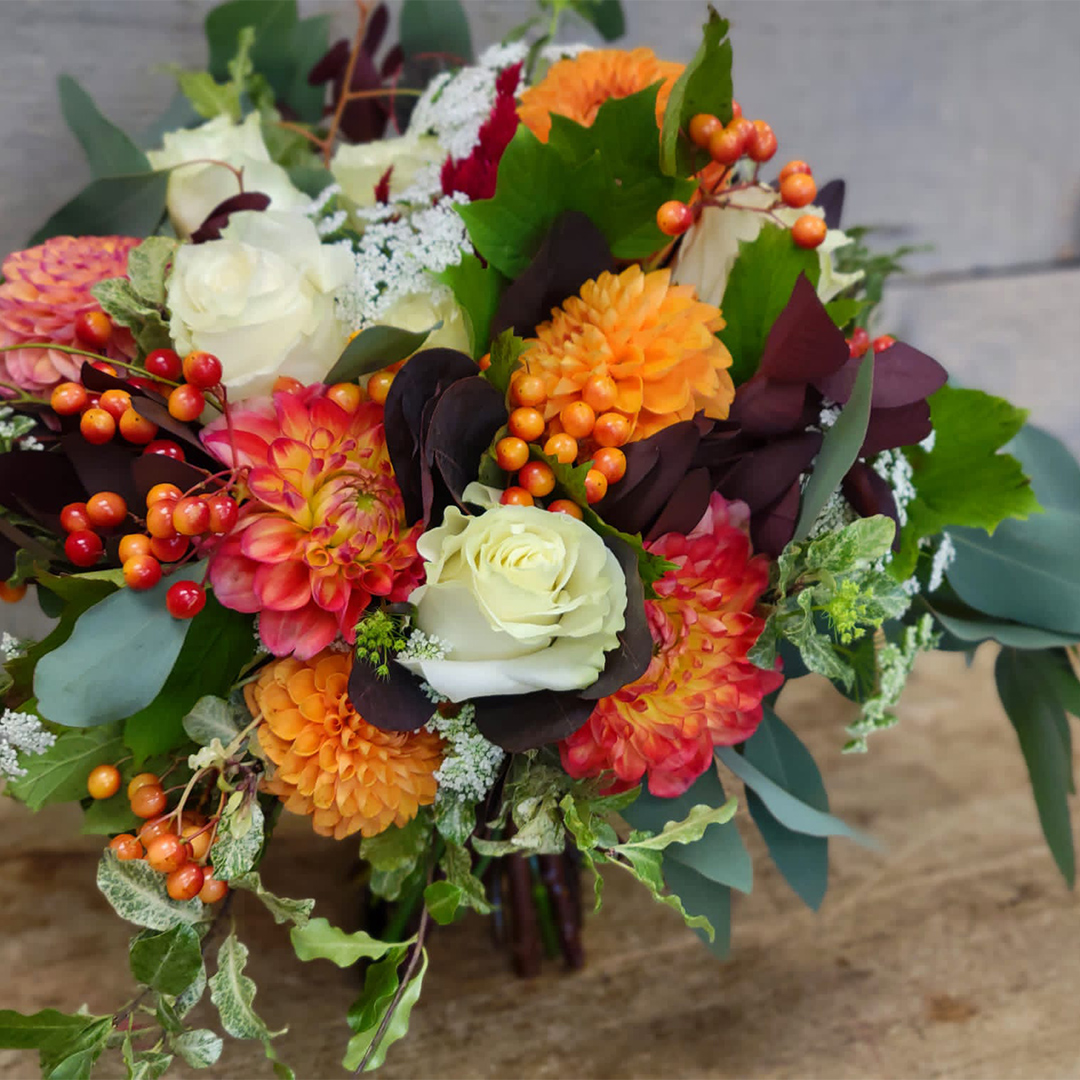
[(261, 299), (195, 189), (525, 599), (418, 311), (358, 169), (711, 246)]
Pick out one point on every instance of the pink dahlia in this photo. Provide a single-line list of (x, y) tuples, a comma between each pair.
[(699, 691), (324, 528), (46, 288)]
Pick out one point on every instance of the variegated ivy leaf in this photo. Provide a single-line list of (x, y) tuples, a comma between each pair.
[(691, 828), (211, 718), (169, 961), (200, 1048), (147, 264), (457, 865), (282, 908), (233, 993), (192, 995), (644, 864), (144, 1065), (137, 893), (239, 841)]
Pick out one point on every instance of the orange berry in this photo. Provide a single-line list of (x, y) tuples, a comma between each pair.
[(148, 801), (197, 838), (141, 572), (167, 853), (727, 145), (191, 516), (610, 461), (378, 386), (127, 847), (161, 493), (611, 429), (885, 341), (516, 496), (537, 478), (346, 394), (484, 362), (143, 779), (566, 506), (793, 167), (528, 390), (798, 189), (701, 128), (168, 548), (103, 782), (213, 889), (286, 384), (135, 428), (68, 398), (762, 142), (674, 218), (93, 328), (526, 423), (186, 403), (185, 883), (100, 365), (97, 426), (578, 419), (809, 231), (562, 447), (159, 520), (600, 392), (134, 544), (736, 110), (595, 485), (115, 402), (157, 826), (11, 594), (511, 453), (106, 509)]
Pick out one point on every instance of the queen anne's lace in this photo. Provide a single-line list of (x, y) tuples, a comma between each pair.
[(20, 732), (471, 763)]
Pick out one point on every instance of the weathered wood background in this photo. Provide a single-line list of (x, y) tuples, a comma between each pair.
[(954, 954)]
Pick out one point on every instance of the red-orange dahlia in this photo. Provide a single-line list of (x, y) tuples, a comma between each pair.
[(699, 691), (324, 530), (46, 288), (577, 87), (349, 776)]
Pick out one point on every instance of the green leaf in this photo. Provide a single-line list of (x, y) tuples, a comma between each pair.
[(59, 774), (1036, 713), (318, 940), (282, 908), (137, 893), (395, 853), (233, 992), (106, 817), (148, 1064), (844, 311), (686, 831), (703, 87), (839, 448), (644, 864), (191, 996), (758, 288), (375, 348), (477, 289), (380, 984), (973, 626), (200, 1048), (702, 899), (436, 26), (455, 816), (506, 352), (442, 899), (147, 266), (220, 642), (129, 205), (129, 631), (108, 150), (457, 865), (211, 718), (56, 1036), (396, 1029), (169, 961), (239, 841), (605, 15)]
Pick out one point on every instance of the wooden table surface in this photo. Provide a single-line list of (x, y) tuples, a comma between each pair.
[(954, 952)]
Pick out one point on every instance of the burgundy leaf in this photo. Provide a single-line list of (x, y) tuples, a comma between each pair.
[(830, 198), (378, 21), (804, 344), (392, 63), (686, 507), (765, 407), (771, 530), (218, 218), (364, 119), (150, 469), (102, 468), (761, 476), (903, 375), (394, 703), (889, 428), (331, 65), (40, 484), (519, 722)]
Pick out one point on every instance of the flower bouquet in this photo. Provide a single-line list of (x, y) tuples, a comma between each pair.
[(460, 457)]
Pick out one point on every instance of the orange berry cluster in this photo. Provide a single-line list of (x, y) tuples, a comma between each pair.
[(102, 415), (178, 846), (584, 430)]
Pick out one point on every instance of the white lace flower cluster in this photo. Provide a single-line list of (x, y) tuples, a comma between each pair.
[(471, 765), (20, 732), (14, 428), (11, 647)]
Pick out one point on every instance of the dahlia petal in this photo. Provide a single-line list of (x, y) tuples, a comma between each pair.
[(232, 577), (283, 586), (272, 540), (302, 633)]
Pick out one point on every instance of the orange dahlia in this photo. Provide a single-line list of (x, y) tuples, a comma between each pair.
[(699, 691), (330, 763), (46, 288), (655, 339), (577, 88)]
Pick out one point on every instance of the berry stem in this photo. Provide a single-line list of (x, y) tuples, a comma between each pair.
[(23, 398), (363, 10)]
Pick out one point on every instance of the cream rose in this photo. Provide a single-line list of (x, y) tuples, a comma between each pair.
[(196, 188), (419, 311), (709, 249), (261, 299), (524, 599), (358, 169)]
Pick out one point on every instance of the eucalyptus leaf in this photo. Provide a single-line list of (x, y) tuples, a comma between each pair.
[(129, 205), (436, 26), (109, 151)]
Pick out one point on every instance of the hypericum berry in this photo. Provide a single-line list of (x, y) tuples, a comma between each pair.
[(133, 544), (11, 594), (484, 362), (809, 231), (141, 572), (223, 509), (526, 423), (157, 826), (702, 127), (159, 520), (885, 341), (578, 419), (562, 447), (528, 390), (103, 781), (83, 548), (798, 189), (762, 142), (346, 394), (378, 386), (213, 889), (727, 144), (97, 426), (600, 392), (743, 129), (611, 461), (286, 384), (537, 478), (795, 166), (168, 548), (136, 428), (127, 847), (148, 802), (163, 493), (185, 883), (74, 518), (151, 385), (566, 506), (611, 429), (202, 369), (163, 364), (191, 516), (93, 328), (516, 496), (167, 853), (106, 509), (596, 485), (185, 599), (100, 365), (736, 110), (859, 342), (186, 403), (674, 217), (197, 838), (115, 402), (143, 779), (511, 453), (68, 398), (166, 447)]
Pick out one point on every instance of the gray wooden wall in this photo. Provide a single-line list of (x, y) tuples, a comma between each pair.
[(956, 124)]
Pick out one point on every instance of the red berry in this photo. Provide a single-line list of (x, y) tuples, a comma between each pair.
[(168, 548), (186, 403), (148, 384), (136, 428), (93, 328), (610, 461), (106, 509), (859, 342), (158, 825), (83, 548), (185, 599), (213, 889), (167, 853), (191, 516), (886, 341), (566, 506), (185, 883), (202, 369), (127, 847), (103, 782), (141, 572), (809, 231), (516, 496), (115, 402), (762, 142), (68, 398), (798, 189), (97, 426), (223, 510), (163, 364), (736, 110), (674, 218), (537, 478), (74, 518), (148, 802), (166, 447), (612, 429), (702, 127), (100, 365)]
